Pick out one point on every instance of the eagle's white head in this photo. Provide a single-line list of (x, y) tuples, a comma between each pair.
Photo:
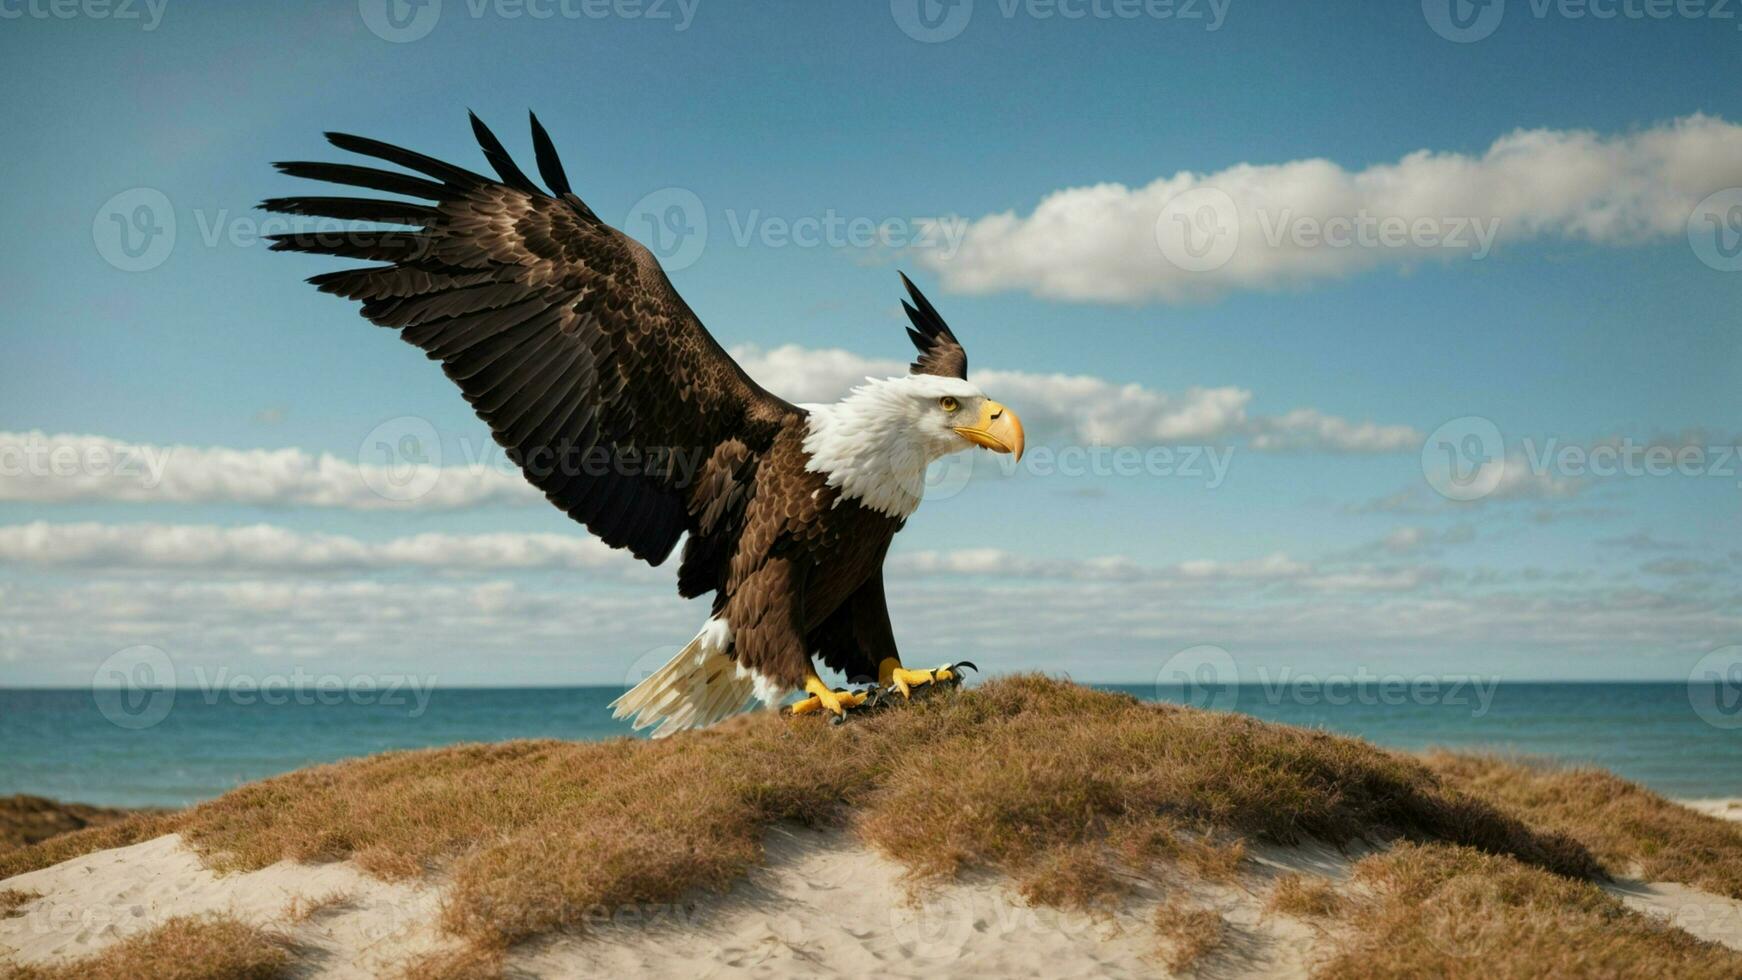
[(876, 443)]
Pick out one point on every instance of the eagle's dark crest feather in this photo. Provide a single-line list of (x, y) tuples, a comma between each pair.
[(939, 351)]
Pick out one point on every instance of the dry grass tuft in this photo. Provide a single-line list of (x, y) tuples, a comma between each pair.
[(1193, 934), (465, 963), (185, 948), (1631, 829), (1077, 876), (1308, 897), (13, 899), (1446, 911)]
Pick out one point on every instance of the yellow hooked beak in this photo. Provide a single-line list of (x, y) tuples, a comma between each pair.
[(998, 429)]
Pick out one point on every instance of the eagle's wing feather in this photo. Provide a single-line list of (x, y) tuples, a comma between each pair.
[(562, 332), (939, 351)]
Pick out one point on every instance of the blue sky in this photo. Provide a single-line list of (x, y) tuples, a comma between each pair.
[(1053, 145)]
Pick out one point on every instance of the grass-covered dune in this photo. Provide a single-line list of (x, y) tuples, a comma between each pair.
[(1073, 794)]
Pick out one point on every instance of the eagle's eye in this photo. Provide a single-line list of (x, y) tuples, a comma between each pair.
[(947, 403)]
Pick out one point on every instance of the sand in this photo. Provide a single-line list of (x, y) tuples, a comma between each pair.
[(1727, 809), (824, 904)]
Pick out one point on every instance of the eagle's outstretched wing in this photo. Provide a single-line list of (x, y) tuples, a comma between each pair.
[(562, 332)]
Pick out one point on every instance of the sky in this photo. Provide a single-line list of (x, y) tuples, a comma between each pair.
[(1350, 337)]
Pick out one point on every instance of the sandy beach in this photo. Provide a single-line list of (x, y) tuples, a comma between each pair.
[(823, 904)]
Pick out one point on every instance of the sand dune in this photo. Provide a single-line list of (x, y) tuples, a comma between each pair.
[(824, 904)]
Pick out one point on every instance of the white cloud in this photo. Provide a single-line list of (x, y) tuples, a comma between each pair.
[(267, 548), (1086, 409), (1099, 243), (1307, 429), (499, 632), (1058, 408), (997, 563), (43, 468)]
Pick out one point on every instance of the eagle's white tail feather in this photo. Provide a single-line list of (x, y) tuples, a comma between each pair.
[(695, 689)]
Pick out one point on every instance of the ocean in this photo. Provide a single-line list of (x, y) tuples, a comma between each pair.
[(64, 743)]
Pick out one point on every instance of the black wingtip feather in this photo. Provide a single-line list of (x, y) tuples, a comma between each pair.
[(506, 168), (550, 166), (939, 351), (445, 172)]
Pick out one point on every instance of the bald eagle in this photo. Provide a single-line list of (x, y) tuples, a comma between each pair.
[(566, 337)]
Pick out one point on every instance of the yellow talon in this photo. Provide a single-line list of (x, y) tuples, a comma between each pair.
[(822, 698), (890, 673)]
